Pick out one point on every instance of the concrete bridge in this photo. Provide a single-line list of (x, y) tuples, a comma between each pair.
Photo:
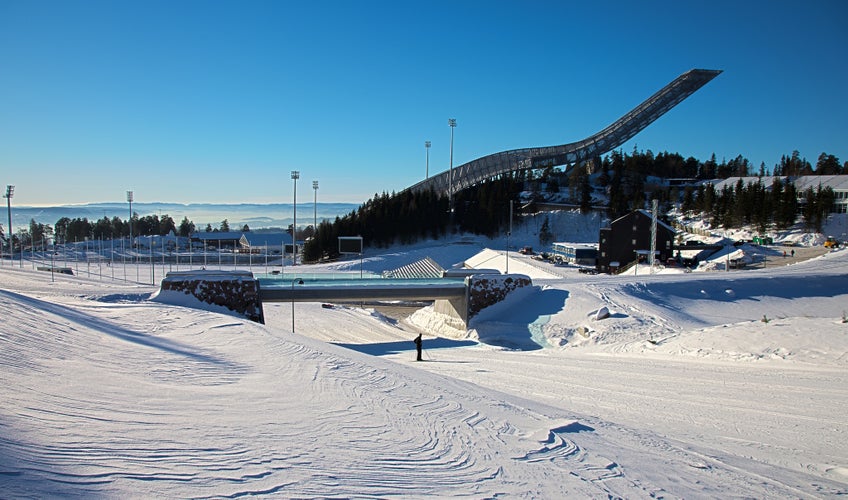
[(239, 291)]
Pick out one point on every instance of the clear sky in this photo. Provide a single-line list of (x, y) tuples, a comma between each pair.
[(217, 101)]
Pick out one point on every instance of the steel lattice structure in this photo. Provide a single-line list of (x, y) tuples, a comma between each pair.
[(491, 166)]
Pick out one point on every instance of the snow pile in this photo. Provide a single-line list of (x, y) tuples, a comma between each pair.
[(518, 264)]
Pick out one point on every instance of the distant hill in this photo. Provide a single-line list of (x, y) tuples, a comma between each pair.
[(255, 215)]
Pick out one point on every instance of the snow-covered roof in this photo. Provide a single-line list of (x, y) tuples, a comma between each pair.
[(649, 216), (251, 238), (220, 235), (266, 239)]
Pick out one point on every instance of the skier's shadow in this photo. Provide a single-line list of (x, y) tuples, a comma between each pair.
[(400, 346)]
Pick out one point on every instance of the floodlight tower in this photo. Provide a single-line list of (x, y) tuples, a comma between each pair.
[(452, 125), (295, 175), (315, 209), (130, 200), (10, 191), (427, 161)]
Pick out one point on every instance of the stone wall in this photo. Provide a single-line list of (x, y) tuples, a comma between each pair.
[(485, 290), (237, 291)]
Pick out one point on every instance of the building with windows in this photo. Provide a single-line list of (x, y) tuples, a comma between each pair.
[(267, 243), (582, 254), (628, 238)]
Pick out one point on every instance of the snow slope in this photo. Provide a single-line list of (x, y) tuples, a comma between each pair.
[(683, 392)]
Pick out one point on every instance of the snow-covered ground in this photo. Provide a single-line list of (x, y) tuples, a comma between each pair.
[(703, 384)]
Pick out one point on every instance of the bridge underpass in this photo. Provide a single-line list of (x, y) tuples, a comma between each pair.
[(450, 296), (272, 290)]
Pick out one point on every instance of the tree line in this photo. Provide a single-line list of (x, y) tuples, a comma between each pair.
[(761, 204), (69, 229), (407, 217), (80, 228), (626, 179)]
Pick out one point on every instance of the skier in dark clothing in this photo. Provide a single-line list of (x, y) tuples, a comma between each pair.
[(418, 343)]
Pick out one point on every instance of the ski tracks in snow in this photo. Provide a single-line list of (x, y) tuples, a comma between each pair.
[(180, 403)]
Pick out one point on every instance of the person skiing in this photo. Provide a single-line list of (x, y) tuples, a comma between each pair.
[(418, 343)]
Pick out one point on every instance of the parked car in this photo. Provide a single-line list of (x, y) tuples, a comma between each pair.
[(526, 251)]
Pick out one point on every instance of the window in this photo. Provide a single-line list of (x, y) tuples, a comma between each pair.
[(634, 242)]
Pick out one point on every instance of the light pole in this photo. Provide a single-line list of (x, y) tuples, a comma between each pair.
[(296, 281), (295, 175), (10, 191), (636, 266), (130, 200), (452, 124), (427, 162), (315, 210), (508, 234)]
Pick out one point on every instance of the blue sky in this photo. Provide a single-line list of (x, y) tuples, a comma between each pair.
[(217, 101)]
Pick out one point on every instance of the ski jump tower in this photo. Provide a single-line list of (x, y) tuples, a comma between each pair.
[(491, 166)]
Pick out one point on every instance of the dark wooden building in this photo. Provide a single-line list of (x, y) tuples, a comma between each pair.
[(628, 238)]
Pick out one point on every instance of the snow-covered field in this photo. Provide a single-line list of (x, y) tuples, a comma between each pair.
[(713, 384)]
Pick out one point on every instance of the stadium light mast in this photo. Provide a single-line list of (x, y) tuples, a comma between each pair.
[(295, 175), (10, 191), (452, 124), (427, 161), (130, 200), (315, 209)]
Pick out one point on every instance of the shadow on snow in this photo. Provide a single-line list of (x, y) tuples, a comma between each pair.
[(397, 347), (521, 327)]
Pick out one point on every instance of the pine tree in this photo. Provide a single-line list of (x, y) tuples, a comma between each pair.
[(585, 195), (545, 235), (187, 227)]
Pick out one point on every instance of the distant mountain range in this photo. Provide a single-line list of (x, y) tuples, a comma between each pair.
[(256, 216)]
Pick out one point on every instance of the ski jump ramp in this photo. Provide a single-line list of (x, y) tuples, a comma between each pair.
[(491, 166)]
